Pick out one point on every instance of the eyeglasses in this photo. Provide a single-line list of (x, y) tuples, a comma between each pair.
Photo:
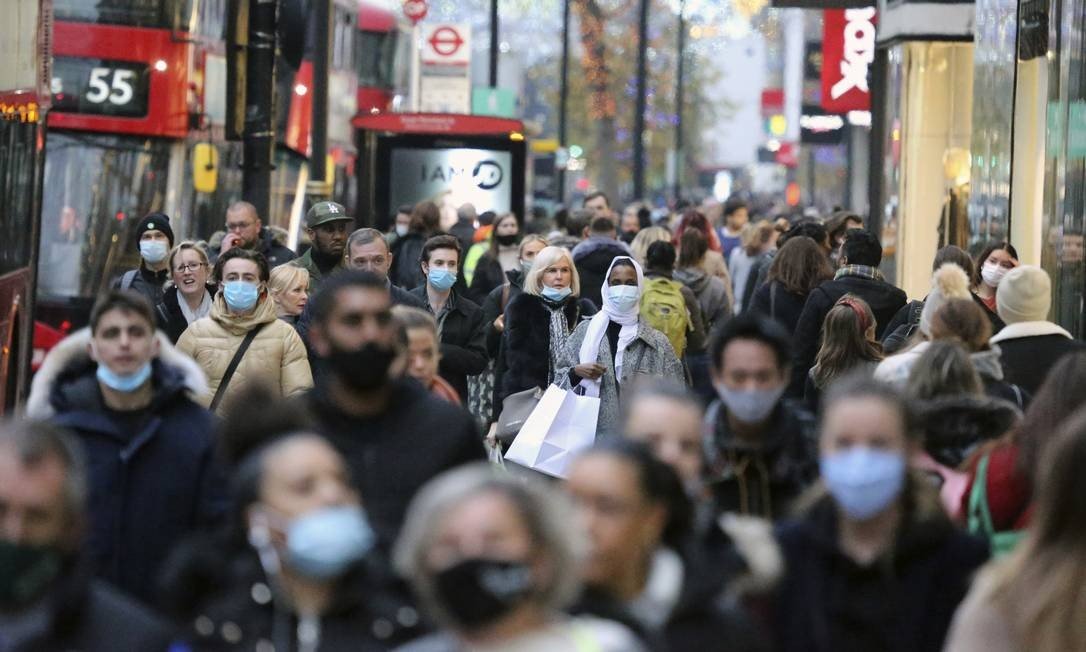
[(190, 267)]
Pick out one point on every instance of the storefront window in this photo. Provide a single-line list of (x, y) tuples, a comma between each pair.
[(1064, 222), (96, 188)]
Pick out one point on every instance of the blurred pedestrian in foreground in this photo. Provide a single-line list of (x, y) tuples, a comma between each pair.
[(394, 435), (48, 600), (872, 562), (128, 396), (244, 315), (294, 569), (494, 561), (759, 447), (638, 519), (1033, 600)]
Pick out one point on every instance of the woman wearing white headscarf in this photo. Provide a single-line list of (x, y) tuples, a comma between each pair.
[(616, 346)]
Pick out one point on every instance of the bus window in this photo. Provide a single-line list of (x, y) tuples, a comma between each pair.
[(133, 13), (376, 59), (97, 187), (17, 160)]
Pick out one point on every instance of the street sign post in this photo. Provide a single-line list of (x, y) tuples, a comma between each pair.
[(415, 10), (446, 68)]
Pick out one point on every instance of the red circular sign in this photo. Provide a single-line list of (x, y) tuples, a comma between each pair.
[(446, 41), (415, 10)]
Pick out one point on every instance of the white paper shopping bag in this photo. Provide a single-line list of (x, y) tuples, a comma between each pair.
[(562, 425)]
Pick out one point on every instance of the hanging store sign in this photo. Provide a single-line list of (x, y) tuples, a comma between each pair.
[(848, 49)]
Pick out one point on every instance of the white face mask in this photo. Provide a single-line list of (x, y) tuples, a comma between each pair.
[(401, 229), (993, 273), (624, 297)]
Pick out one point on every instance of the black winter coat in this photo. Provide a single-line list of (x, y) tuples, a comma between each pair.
[(168, 315), (826, 602), (885, 300), (1026, 360), (526, 343), (463, 340), (219, 580), (392, 454), (593, 258), (488, 276), (406, 270), (784, 306), (146, 282), (955, 426), (90, 616), (150, 487)]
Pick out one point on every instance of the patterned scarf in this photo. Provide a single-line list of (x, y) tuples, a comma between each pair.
[(860, 271), (559, 332)]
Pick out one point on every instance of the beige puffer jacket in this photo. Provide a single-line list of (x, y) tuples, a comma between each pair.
[(277, 357)]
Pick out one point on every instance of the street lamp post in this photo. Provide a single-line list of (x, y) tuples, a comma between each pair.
[(679, 101), (494, 43), (563, 98), (258, 140), (639, 111), (317, 188)]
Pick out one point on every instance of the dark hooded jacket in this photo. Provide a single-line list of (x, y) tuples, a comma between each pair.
[(406, 270), (525, 347), (81, 613), (954, 426), (772, 299), (593, 258), (763, 480), (152, 474), (712, 295), (903, 602)]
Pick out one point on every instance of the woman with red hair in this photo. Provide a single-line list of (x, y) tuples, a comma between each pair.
[(713, 263)]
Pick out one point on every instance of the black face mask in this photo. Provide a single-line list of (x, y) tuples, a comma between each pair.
[(479, 591), (627, 236), (26, 572), (363, 369), (507, 240)]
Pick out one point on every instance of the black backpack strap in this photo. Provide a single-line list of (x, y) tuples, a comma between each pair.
[(238, 355)]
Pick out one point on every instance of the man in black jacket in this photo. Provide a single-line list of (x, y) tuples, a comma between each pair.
[(394, 435), (154, 237), (761, 452), (461, 325), (859, 275), (47, 601), (127, 395), (367, 251), (593, 257), (245, 229)]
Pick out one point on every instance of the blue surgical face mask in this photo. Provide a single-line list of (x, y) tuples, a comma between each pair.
[(153, 251), (864, 481), (324, 543), (750, 405), (441, 279), (240, 295), (525, 267), (557, 295), (126, 383), (624, 297)]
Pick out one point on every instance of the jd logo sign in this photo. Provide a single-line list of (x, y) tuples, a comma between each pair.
[(487, 175), (848, 48)]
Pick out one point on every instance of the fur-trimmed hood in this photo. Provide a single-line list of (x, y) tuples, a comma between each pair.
[(955, 425), (71, 357)]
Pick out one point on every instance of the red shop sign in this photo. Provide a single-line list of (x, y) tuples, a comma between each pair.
[(848, 48)]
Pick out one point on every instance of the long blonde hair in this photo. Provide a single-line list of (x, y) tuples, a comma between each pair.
[(1039, 587), (644, 238)]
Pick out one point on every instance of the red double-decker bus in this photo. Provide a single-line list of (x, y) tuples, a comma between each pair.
[(24, 99), (139, 95)]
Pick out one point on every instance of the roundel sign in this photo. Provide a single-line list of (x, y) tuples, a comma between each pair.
[(446, 44), (415, 10)]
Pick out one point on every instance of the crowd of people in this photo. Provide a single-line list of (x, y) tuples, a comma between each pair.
[(250, 450)]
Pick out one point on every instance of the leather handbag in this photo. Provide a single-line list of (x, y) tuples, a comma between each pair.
[(515, 411)]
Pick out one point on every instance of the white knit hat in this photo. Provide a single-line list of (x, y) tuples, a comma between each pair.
[(1024, 294), (948, 282)]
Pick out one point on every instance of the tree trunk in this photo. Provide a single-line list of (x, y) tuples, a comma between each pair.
[(601, 102)]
